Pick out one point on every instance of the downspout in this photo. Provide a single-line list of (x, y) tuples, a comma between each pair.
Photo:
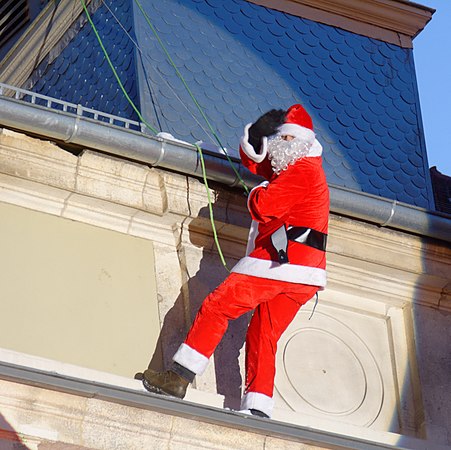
[(184, 158)]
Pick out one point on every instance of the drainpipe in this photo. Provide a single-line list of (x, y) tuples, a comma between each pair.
[(184, 158)]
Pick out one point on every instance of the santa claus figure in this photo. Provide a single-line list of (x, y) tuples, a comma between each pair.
[(285, 262)]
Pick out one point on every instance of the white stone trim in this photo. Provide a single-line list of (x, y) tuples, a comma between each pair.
[(272, 270), (191, 359), (256, 400)]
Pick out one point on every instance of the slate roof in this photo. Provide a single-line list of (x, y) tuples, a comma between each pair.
[(240, 60), (80, 74)]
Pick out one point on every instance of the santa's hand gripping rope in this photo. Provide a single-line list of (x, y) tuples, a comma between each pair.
[(285, 264)]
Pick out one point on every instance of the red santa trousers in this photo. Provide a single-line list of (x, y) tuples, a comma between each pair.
[(275, 303)]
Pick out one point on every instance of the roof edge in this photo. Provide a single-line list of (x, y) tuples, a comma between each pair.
[(184, 158), (393, 21)]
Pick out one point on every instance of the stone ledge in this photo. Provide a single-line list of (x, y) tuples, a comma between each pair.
[(96, 376), (115, 180), (96, 421)]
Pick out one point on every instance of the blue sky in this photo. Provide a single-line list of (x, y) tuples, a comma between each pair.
[(432, 53)]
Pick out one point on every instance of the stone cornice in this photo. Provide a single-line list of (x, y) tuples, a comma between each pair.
[(393, 21), (131, 198), (120, 195)]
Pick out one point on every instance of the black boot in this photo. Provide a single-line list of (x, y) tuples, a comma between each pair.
[(257, 412), (166, 383)]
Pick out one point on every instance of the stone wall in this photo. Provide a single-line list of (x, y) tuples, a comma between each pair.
[(375, 354)]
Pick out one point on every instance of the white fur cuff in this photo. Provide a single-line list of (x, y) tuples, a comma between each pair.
[(191, 359), (256, 400), (249, 150)]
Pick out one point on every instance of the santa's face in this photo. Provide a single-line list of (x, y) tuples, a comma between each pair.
[(284, 150), (287, 137)]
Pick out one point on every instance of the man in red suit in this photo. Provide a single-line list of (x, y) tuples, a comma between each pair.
[(285, 262)]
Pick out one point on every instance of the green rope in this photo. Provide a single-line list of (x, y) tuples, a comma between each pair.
[(151, 128), (154, 31), (204, 172), (210, 207)]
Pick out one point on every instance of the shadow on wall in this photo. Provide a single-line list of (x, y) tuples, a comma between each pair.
[(425, 392), (177, 321), (432, 338), (9, 439)]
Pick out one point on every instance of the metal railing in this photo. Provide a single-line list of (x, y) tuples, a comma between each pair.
[(68, 107)]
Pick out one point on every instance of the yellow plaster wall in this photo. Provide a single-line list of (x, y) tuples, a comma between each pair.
[(76, 293)]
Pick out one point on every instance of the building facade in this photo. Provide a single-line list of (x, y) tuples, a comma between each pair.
[(107, 246)]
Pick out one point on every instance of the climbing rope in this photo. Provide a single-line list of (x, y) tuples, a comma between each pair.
[(155, 131), (151, 128), (151, 65), (210, 207), (200, 109)]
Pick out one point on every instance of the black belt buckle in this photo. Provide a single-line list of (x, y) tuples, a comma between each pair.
[(280, 242), (283, 257)]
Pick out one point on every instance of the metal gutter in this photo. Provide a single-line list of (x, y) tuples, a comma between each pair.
[(183, 157), (208, 414), (119, 141), (385, 212)]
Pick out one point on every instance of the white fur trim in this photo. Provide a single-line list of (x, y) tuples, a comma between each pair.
[(291, 129), (272, 270), (253, 233), (249, 150), (316, 149), (256, 400), (169, 137), (262, 184), (191, 359)]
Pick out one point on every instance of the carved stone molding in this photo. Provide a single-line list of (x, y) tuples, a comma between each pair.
[(120, 195), (351, 363)]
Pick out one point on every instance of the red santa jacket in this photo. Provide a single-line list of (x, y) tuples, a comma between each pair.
[(297, 197)]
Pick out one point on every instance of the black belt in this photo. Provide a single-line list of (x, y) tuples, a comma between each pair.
[(302, 235), (308, 236)]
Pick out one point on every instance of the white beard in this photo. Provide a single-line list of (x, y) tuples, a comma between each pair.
[(283, 153)]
